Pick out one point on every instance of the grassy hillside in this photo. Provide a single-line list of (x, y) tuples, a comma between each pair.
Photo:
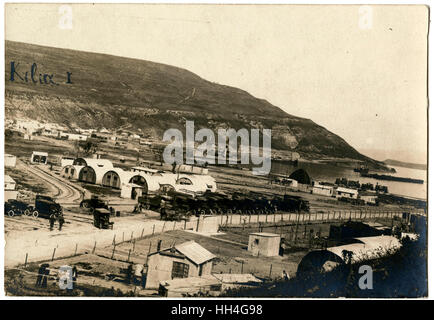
[(109, 91), (405, 164)]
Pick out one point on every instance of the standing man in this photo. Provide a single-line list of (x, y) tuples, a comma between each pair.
[(129, 273), (74, 275), (61, 222), (52, 219), (163, 208), (45, 277), (41, 273)]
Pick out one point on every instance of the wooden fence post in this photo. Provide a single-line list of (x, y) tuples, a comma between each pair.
[(54, 252), (94, 248), (113, 253), (25, 261)]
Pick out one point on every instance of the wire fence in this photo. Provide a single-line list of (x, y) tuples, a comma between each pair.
[(289, 225)]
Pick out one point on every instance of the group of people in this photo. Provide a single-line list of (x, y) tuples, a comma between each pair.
[(53, 219), (136, 275), (44, 273)]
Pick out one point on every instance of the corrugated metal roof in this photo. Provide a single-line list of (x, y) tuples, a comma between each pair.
[(320, 186), (236, 278), (195, 252), (189, 283), (144, 169), (199, 182), (265, 234), (99, 162), (346, 190), (99, 172), (368, 248)]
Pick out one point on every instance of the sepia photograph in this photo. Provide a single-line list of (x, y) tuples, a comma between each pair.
[(200, 151)]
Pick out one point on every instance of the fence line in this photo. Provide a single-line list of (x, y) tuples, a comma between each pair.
[(235, 219)]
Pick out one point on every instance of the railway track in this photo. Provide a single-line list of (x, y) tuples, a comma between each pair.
[(66, 192)]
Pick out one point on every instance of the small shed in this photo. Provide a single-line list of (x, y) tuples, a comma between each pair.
[(322, 190), (9, 183), (264, 244), (185, 260), (39, 157), (346, 193), (10, 192), (369, 198), (131, 191), (10, 160)]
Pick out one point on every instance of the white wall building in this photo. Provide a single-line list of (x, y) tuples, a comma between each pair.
[(322, 190), (264, 244), (10, 160), (346, 193), (10, 192), (39, 157)]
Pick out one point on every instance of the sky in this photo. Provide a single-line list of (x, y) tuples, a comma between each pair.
[(361, 72)]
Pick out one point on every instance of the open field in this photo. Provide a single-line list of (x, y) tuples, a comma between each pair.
[(103, 269)]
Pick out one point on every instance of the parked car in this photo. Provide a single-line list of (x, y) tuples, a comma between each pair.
[(94, 203), (15, 208), (46, 206), (101, 219)]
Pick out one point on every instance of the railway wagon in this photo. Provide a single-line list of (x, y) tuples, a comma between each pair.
[(220, 203)]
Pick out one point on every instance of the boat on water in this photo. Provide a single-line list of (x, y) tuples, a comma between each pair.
[(361, 170), (391, 178)]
